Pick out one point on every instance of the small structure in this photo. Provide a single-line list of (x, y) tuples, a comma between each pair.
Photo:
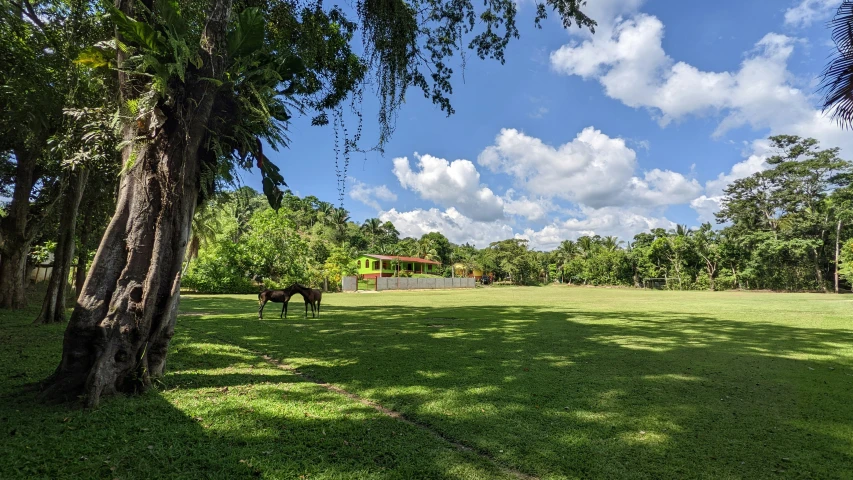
[(375, 266), (655, 283), (461, 271)]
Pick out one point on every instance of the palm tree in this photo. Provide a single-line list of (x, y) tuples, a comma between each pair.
[(837, 81), (564, 254), (432, 254), (611, 243), (340, 218), (205, 226), (585, 245), (325, 210), (373, 228)]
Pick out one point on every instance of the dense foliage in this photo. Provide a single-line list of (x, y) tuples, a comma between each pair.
[(781, 228)]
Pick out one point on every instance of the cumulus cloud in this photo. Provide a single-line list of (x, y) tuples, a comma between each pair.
[(629, 62), (370, 195), (593, 169), (457, 227), (531, 209), (809, 11), (633, 68), (450, 184), (620, 222), (710, 202)]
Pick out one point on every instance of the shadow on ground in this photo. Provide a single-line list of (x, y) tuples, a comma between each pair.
[(568, 392), (221, 413)]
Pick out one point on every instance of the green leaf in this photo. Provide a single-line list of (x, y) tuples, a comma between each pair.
[(247, 35), (140, 33), (272, 178), (172, 19), (92, 57), (274, 195)]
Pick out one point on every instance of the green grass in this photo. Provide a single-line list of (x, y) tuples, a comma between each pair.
[(555, 382)]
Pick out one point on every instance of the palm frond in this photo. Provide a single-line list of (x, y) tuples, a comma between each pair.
[(837, 81)]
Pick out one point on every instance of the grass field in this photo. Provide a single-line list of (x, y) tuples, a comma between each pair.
[(551, 382)]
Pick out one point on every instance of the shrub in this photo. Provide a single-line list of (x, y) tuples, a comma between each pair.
[(215, 271)]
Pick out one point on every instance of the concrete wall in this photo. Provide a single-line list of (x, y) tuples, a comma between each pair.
[(403, 283), (349, 284)]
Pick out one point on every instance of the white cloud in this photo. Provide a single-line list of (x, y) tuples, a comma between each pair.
[(606, 13), (450, 184), (593, 169), (531, 209), (539, 113), (460, 229), (620, 222), (710, 202), (633, 68), (809, 11), (631, 65), (451, 223), (369, 195)]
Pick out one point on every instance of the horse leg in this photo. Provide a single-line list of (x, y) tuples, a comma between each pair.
[(318, 308), (306, 309), (261, 310), (284, 305), (285, 308)]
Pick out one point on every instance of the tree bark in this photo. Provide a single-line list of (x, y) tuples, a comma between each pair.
[(53, 308), (837, 254), (80, 272), (14, 239), (13, 267), (19, 228), (119, 333), (82, 256), (818, 273), (124, 318)]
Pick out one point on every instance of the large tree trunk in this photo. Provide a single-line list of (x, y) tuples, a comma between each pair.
[(15, 239), (53, 308), (119, 333), (20, 227), (13, 267), (125, 316), (82, 256)]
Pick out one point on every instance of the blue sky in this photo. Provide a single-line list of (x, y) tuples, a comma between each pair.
[(640, 125)]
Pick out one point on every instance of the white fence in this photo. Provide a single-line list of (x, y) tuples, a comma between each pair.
[(404, 283)]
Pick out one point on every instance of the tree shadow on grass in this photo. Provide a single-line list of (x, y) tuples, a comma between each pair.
[(587, 393), (221, 413)]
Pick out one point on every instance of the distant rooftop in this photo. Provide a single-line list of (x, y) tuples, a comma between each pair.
[(402, 259)]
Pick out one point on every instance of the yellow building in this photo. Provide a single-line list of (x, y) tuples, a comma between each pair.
[(459, 270)]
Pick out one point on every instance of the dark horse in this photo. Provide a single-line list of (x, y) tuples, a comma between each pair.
[(311, 296), (275, 296)]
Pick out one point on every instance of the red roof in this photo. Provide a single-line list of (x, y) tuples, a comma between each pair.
[(402, 259)]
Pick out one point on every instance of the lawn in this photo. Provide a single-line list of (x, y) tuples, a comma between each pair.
[(551, 382)]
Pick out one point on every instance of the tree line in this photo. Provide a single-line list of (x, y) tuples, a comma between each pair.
[(787, 228)]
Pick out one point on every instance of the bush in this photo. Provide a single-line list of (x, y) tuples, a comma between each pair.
[(214, 271)]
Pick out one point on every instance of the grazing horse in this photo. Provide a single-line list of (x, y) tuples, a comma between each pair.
[(275, 296), (312, 297)]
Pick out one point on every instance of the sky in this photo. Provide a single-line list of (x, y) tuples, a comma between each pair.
[(638, 126)]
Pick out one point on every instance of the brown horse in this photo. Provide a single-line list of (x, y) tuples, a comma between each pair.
[(275, 296), (312, 297)]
